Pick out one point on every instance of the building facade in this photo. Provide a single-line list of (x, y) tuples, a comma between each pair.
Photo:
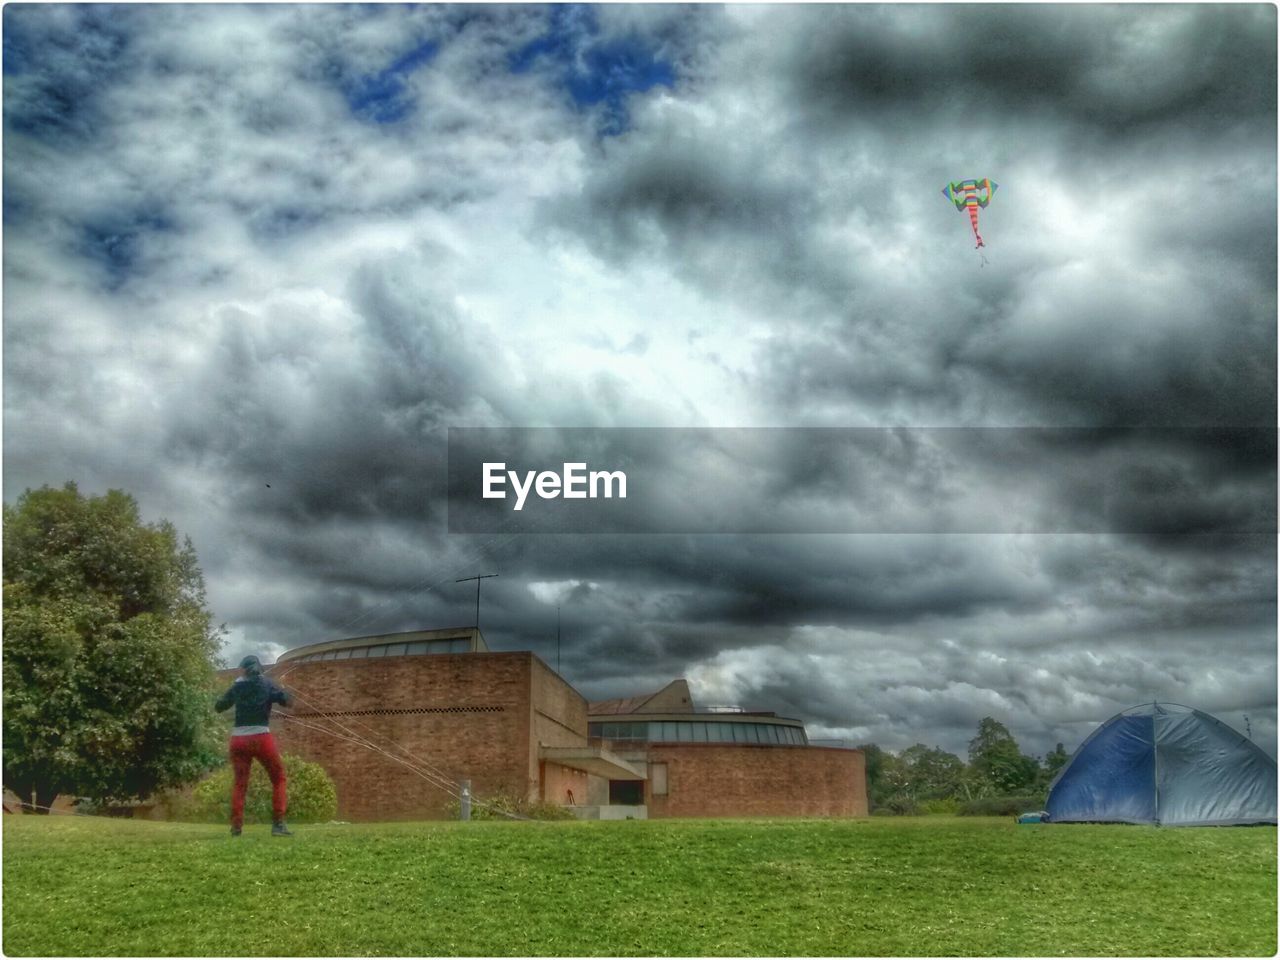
[(396, 719)]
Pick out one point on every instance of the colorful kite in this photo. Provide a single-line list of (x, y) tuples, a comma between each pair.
[(970, 195)]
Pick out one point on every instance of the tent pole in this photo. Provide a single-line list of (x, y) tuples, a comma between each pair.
[(1155, 756)]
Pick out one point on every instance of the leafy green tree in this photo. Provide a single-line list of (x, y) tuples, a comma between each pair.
[(108, 651), (1055, 760), (996, 760), (874, 759), (929, 773)]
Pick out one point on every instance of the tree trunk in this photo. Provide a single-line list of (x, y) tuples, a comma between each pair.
[(46, 793)]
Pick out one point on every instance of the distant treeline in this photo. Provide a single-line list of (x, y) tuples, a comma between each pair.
[(997, 779)]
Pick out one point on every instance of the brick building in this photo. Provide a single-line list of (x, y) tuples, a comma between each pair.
[(454, 710)]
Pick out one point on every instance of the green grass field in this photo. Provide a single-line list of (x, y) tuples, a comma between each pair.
[(931, 886)]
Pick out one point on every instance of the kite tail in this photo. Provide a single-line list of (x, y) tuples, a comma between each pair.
[(973, 221)]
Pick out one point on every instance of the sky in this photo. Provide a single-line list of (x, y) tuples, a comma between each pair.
[(259, 260)]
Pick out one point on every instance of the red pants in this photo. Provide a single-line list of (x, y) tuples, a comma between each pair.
[(243, 751)]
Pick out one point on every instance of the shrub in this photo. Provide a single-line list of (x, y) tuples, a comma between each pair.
[(896, 807), (494, 806), (940, 805), (1001, 806), (312, 797)]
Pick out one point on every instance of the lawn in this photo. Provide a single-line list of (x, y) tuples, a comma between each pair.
[(930, 886)]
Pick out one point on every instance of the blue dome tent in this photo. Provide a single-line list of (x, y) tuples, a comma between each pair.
[(1165, 764)]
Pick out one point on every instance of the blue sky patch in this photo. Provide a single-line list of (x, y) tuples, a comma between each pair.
[(117, 244), (593, 72), (384, 97), (56, 70)]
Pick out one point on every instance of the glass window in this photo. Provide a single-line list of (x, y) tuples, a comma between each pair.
[(593, 729), (330, 655), (416, 649), (684, 731), (776, 734), (343, 655), (461, 645), (358, 652), (721, 733), (700, 732), (658, 779), (626, 792), (396, 650), (378, 651)]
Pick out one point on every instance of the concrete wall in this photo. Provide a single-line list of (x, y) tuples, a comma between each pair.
[(740, 780), (558, 782), (469, 715), (557, 718)]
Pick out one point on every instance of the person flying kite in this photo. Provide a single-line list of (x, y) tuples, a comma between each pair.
[(970, 195), (252, 695)]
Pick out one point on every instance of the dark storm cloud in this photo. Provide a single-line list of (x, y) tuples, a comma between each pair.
[(293, 245), (1117, 71)]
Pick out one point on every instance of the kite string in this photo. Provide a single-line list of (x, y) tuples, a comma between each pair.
[(423, 768), (436, 781), (326, 714)]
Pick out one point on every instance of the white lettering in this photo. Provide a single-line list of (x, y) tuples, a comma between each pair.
[(573, 476), (548, 485), (521, 491), (609, 477), (574, 484), (493, 475)]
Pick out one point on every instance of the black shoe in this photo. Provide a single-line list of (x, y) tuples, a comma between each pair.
[(278, 829), (235, 831)]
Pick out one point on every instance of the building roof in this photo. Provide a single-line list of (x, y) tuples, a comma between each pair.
[(673, 698), (470, 634)]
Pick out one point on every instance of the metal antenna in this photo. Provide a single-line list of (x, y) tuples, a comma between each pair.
[(483, 576), (1248, 730), (557, 638)]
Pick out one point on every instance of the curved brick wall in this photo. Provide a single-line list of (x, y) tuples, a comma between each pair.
[(743, 780)]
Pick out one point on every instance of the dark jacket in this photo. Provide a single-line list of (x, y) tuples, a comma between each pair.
[(252, 698)]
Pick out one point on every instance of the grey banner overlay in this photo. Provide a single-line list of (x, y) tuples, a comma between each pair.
[(1143, 480)]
